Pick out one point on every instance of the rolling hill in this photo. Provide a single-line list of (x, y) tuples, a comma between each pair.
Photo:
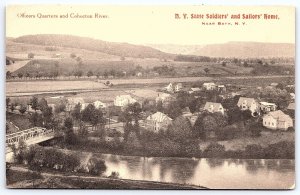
[(118, 49), (247, 50), (231, 49)]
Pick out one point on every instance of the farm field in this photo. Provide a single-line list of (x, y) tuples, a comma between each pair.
[(15, 88)]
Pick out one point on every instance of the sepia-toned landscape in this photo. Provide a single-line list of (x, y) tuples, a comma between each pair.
[(88, 113)]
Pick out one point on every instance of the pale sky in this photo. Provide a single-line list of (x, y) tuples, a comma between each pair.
[(155, 25)]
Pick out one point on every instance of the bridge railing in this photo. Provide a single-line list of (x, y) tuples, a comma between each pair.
[(27, 134)]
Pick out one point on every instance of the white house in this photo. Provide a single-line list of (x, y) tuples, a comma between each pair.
[(267, 107), (248, 104), (277, 120), (178, 87), (214, 107), (98, 104), (209, 86), (169, 88), (73, 101), (164, 97), (221, 88), (291, 106), (158, 121), (123, 100)]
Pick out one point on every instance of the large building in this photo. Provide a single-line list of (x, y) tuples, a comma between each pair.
[(209, 86), (248, 104), (277, 120), (158, 121), (123, 100)]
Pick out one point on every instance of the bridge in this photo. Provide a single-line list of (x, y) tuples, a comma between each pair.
[(30, 136)]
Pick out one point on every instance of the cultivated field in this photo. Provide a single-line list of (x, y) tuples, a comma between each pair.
[(19, 88)]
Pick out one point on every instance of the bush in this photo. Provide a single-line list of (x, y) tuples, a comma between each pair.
[(96, 166), (114, 175), (215, 150), (254, 151)]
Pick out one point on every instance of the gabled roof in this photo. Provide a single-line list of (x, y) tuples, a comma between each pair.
[(209, 84), (267, 104), (291, 106), (214, 105), (158, 117), (248, 101), (279, 115)]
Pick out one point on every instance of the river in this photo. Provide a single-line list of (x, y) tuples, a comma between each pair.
[(211, 173)]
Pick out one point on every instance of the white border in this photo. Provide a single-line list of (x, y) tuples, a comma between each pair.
[(3, 190)]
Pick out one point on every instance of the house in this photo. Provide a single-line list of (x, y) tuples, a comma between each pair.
[(194, 90), (139, 74), (273, 84), (291, 106), (178, 87), (267, 107), (293, 96), (248, 104), (158, 121), (98, 104), (73, 101), (277, 120), (164, 98), (214, 107), (123, 100), (209, 86), (221, 88), (169, 88)]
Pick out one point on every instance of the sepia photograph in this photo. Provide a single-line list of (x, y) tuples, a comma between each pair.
[(150, 97)]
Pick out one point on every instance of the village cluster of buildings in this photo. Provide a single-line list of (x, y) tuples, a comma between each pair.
[(271, 117)]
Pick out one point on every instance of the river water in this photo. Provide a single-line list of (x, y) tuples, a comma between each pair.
[(211, 173)]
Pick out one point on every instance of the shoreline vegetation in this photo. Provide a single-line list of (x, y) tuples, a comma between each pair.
[(50, 179)]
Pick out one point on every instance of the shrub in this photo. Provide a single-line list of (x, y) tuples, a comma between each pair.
[(96, 166), (214, 150), (114, 175)]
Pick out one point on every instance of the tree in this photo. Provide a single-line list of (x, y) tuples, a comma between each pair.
[(206, 70), (42, 104), (35, 119), (22, 109), (89, 73), (47, 116), (20, 75), (181, 129), (69, 135), (7, 103), (34, 103), (214, 150), (76, 112), (60, 107), (224, 63), (8, 75), (131, 113), (96, 166), (173, 110)]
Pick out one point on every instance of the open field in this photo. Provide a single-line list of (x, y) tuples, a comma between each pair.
[(22, 88), (15, 88)]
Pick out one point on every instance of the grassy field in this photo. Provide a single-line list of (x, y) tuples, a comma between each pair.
[(50, 86), (266, 138)]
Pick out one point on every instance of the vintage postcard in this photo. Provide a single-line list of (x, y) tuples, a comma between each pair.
[(150, 97)]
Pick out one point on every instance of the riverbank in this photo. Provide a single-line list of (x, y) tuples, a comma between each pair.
[(23, 178)]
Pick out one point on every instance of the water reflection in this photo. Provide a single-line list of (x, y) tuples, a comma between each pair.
[(212, 173)]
